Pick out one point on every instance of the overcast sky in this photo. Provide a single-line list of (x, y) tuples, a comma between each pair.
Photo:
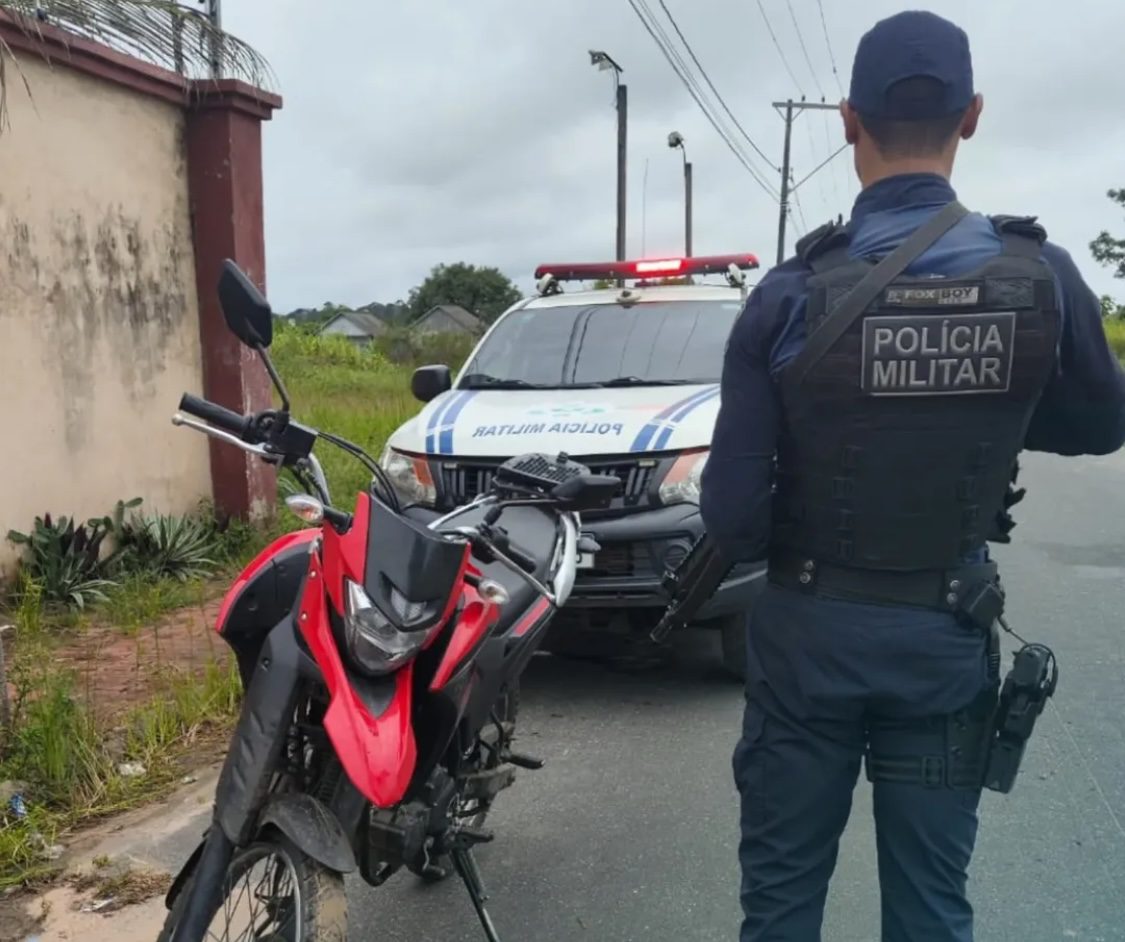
[(442, 131)]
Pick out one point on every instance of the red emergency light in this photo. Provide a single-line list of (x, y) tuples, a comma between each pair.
[(646, 268)]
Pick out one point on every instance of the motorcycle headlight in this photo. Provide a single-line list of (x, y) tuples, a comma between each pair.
[(410, 477), (375, 644), (682, 482)]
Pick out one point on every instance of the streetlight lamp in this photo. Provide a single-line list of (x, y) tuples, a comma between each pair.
[(676, 142), (604, 63)]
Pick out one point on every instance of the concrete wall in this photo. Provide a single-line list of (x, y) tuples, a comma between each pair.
[(99, 316)]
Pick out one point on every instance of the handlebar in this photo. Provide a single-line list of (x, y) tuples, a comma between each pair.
[(216, 415)]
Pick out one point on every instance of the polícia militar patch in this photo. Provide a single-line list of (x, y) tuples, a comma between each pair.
[(932, 355)]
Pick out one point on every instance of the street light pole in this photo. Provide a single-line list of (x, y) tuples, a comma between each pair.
[(676, 141), (605, 62)]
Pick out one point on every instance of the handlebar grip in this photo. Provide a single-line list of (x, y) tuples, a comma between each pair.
[(521, 559), (216, 415)]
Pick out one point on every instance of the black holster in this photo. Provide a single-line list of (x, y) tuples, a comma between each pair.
[(1030, 682)]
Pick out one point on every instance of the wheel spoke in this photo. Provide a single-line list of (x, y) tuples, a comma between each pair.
[(260, 906)]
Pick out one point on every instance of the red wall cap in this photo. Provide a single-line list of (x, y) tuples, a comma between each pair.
[(234, 95)]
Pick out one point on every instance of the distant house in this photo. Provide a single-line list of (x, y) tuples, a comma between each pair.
[(358, 326), (448, 319)]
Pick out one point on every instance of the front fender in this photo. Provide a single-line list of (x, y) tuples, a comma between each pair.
[(313, 828)]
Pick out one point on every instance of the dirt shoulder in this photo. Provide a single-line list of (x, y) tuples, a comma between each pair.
[(115, 874)]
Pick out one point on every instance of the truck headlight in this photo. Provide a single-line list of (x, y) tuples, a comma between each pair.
[(682, 482), (376, 644), (410, 477)]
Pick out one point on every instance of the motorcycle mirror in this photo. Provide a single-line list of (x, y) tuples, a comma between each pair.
[(247, 312)]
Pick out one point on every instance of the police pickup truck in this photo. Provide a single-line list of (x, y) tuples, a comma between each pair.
[(625, 379)]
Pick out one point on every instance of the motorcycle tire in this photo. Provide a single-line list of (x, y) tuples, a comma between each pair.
[(323, 903)]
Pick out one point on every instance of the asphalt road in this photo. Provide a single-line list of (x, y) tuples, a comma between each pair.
[(629, 833)]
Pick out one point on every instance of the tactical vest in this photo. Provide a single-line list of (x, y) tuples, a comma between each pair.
[(900, 443)]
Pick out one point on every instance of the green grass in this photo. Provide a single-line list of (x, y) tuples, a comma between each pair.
[(56, 745), (64, 758), (138, 601), (1115, 334), (359, 394)]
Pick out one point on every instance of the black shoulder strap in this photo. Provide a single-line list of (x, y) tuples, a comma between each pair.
[(1021, 235), (852, 306), (825, 247)]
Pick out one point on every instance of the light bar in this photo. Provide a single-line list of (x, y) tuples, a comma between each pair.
[(700, 265)]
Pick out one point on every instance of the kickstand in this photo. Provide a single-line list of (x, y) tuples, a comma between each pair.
[(467, 869)]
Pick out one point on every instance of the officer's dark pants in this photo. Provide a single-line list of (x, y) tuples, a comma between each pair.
[(825, 678)]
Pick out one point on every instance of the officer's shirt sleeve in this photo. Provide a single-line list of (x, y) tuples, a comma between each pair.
[(1082, 411), (737, 481)]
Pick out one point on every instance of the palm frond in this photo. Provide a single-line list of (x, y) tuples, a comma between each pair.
[(161, 32)]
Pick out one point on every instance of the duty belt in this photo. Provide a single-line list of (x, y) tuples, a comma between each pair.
[(952, 590)]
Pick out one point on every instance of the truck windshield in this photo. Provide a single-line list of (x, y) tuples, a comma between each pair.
[(567, 346)]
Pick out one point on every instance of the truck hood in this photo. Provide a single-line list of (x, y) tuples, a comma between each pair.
[(502, 423)]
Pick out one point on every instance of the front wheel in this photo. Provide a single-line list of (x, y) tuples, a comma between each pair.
[(273, 892)]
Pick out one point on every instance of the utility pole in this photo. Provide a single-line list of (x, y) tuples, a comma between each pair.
[(793, 110), (605, 62), (676, 142), (622, 151)]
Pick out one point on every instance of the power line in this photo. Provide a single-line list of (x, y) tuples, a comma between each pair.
[(805, 49), (828, 43), (711, 85), (812, 159), (682, 72), (780, 51), (800, 212), (685, 74)]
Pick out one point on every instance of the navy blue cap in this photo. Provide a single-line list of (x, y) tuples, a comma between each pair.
[(912, 45)]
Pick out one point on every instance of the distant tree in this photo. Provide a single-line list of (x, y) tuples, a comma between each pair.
[(1108, 250), (1111, 309), (486, 292)]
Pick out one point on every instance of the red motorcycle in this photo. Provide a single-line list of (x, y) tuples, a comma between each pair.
[(380, 661)]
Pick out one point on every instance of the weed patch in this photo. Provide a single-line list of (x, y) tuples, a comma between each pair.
[(1115, 334)]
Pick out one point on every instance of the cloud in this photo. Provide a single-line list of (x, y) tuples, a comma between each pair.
[(439, 131)]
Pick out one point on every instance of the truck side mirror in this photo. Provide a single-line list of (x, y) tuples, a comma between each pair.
[(429, 382)]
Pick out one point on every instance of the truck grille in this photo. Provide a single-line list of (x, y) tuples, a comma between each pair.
[(621, 560), (461, 481)]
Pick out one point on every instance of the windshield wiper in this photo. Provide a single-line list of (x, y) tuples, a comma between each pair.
[(639, 381), (487, 381)]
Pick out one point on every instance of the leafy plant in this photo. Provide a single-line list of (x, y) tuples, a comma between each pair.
[(166, 545), (65, 560)]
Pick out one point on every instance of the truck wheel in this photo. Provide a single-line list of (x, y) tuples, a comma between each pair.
[(732, 632)]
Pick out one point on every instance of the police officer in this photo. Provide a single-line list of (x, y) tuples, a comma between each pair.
[(876, 392)]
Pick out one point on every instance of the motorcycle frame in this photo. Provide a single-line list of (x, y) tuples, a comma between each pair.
[(369, 721)]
